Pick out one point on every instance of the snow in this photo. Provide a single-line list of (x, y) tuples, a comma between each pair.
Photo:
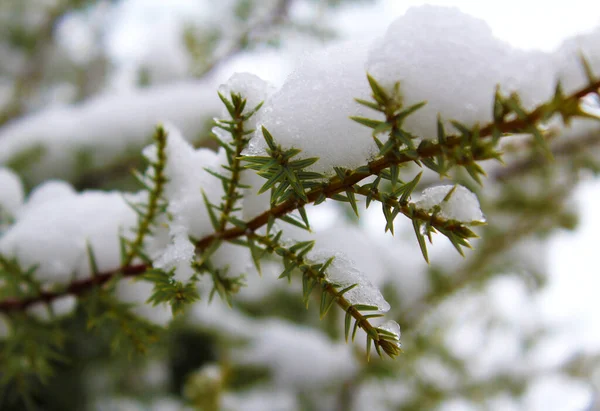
[(49, 191), (137, 292), (582, 128), (297, 356), (462, 205), (457, 404), (105, 128), (259, 287), (254, 204), (52, 230), (383, 394), (557, 392), (391, 326), (311, 110), (217, 315), (64, 305), (187, 178), (343, 272), (166, 57), (567, 59), (249, 86), (235, 259), (383, 259), (452, 61), (77, 39), (433, 371), (530, 255), (401, 256), (346, 239), (11, 193), (261, 399), (60, 307), (178, 255), (455, 68), (121, 403), (171, 246), (40, 311)]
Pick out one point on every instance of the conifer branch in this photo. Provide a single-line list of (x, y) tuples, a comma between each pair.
[(148, 213), (236, 107), (458, 233), (235, 126), (315, 274), (335, 185), (489, 248), (175, 246), (223, 285)]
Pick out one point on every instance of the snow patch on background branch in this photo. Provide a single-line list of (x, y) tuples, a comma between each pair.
[(105, 128)]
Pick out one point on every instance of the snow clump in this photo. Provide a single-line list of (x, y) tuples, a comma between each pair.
[(568, 59), (55, 226), (462, 205), (186, 180), (104, 128), (392, 327), (342, 272), (297, 356), (11, 193), (60, 307), (251, 87), (453, 62), (311, 110), (438, 55), (137, 292)]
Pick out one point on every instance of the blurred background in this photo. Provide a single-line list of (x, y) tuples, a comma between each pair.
[(511, 327)]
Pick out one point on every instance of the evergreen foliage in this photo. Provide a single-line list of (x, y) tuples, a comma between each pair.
[(59, 331)]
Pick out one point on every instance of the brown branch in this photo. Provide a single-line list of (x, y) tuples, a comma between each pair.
[(377, 166), (334, 186), (77, 287)]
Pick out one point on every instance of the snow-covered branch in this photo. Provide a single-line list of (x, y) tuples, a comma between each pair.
[(353, 126)]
